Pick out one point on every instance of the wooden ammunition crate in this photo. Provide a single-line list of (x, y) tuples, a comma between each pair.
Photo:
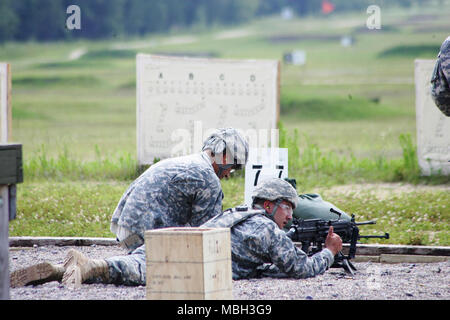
[(188, 264)]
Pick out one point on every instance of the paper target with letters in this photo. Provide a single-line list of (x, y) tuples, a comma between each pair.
[(180, 99), (264, 163)]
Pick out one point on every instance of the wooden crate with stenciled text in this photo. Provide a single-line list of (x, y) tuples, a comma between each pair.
[(188, 264)]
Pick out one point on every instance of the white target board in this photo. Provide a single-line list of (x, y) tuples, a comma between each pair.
[(5, 103), (180, 100), (433, 127)]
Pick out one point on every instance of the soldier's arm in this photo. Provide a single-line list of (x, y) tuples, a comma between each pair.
[(293, 261)]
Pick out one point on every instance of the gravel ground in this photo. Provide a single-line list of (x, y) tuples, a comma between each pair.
[(373, 281)]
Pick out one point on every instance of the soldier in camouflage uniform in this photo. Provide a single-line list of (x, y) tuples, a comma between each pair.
[(440, 80), (259, 245), (183, 191)]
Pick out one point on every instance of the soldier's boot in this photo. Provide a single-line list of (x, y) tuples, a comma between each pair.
[(80, 268), (36, 274)]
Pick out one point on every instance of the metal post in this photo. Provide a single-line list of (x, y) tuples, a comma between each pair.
[(4, 243), (5, 214)]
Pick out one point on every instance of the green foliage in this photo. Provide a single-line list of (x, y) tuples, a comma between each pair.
[(78, 208), (8, 20), (45, 20), (336, 108), (411, 217), (39, 81), (65, 167), (314, 167), (292, 144), (411, 51), (410, 168), (107, 54), (84, 208)]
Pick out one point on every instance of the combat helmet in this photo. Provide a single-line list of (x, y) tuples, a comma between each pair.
[(274, 189), (230, 141), (440, 79)]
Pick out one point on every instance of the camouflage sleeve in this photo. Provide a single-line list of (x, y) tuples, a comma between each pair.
[(292, 261), (204, 194), (207, 204), (213, 205), (440, 79)]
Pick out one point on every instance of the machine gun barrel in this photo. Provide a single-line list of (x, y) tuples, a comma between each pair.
[(365, 222), (385, 236)]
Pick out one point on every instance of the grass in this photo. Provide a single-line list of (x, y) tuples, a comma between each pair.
[(83, 208), (65, 168), (44, 81), (66, 209), (71, 201), (347, 117), (412, 51), (336, 109)]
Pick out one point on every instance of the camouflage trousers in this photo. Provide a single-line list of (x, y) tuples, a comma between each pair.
[(128, 270)]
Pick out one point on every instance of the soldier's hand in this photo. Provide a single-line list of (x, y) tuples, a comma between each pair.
[(333, 242)]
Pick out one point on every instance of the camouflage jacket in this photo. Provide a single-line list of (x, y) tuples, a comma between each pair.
[(260, 248), (183, 191), (440, 80)]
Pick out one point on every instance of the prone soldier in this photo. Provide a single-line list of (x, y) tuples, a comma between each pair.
[(259, 245)]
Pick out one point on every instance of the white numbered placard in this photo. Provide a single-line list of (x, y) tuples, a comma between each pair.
[(178, 95), (264, 163), (433, 127)]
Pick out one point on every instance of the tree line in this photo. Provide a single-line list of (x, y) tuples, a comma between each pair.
[(46, 20)]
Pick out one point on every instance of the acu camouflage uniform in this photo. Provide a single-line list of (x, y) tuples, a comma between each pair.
[(260, 248), (183, 191), (440, 80)]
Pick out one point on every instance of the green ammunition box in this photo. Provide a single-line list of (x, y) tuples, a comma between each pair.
[(11, 171)]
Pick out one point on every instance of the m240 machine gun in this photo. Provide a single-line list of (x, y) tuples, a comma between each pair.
[(311, 233)]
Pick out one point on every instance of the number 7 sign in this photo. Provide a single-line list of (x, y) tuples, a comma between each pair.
[(264, 163)]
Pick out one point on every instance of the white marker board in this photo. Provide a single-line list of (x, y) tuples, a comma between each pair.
[(5, 103), (180, 99), (433, 127), (264, 163)]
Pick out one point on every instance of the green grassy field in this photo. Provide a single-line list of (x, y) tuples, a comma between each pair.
[(349, 113)]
